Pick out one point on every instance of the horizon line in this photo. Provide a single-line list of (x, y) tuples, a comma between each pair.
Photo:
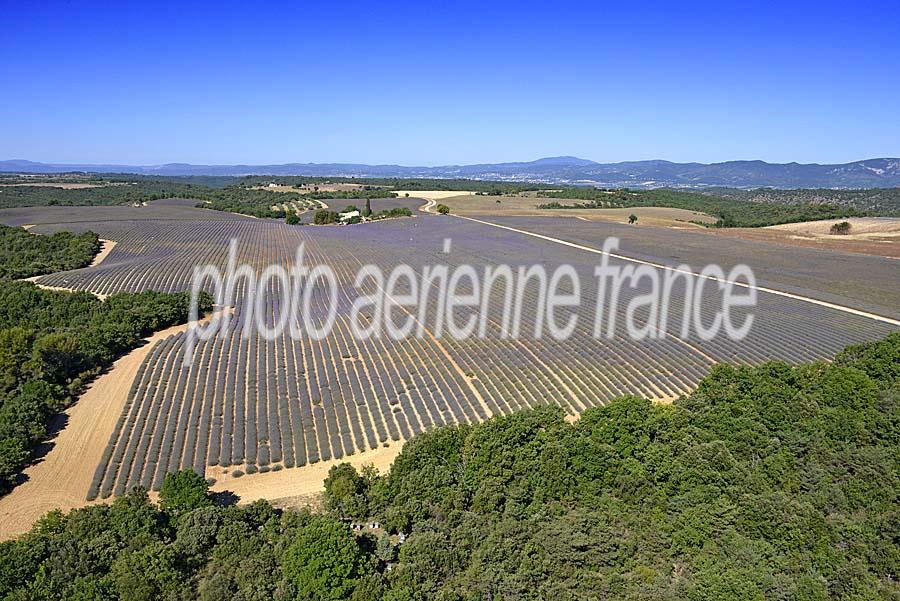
[(434, 166)]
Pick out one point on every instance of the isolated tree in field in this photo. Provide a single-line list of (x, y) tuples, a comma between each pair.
[(632, 219), (183, 491), (443, 209), (841, 228), (368, 211), (292, 219)]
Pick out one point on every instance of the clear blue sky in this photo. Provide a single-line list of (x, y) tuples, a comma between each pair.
[(448, 82)]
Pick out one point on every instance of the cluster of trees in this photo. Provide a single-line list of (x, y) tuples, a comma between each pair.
[(23, 255), (247, 201), (188, 547), (731, 212), (395, 212), (770, 482), (325, 217), (841, 228), (53, 343)]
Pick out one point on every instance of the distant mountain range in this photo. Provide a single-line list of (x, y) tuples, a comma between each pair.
[(872, 173)]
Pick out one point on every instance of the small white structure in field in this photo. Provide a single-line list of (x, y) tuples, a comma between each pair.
[(348, 215), (273, 185)]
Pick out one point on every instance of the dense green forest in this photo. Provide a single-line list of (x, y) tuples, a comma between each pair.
[(53, 343), (112, 192), (23, 255), (774, 482), (112, 189), (880, 201), (130, 189), (730, 212)]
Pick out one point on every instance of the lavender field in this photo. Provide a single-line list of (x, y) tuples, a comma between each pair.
[(248, 403)]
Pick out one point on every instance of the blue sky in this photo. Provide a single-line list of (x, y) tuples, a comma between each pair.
[(418, 83)]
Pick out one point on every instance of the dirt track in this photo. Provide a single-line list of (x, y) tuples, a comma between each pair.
[(296, 482), (61, 479), (106, 247)]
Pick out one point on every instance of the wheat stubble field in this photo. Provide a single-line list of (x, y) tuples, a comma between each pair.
[(266, 418)]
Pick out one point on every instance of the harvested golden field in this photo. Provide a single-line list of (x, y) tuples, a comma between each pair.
[(878, 236), (860, 227), (64, 186), (433, 194), (307, 188), (526, 206)]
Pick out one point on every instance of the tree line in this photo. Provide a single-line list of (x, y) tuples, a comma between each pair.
[(23, 255)]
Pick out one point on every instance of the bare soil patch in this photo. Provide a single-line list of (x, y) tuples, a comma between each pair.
[(877, 236), (860, 227), (60, 480), (298, 486), (433, 194), (307, 188), (106, 247)]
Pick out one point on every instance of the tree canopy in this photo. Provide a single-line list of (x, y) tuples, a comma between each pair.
[(23, 254)]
